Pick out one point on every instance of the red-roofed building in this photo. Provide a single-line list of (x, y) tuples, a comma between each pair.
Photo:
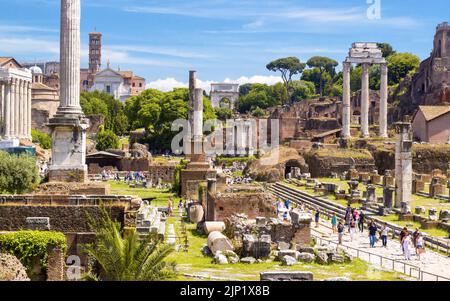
[(431, 124)]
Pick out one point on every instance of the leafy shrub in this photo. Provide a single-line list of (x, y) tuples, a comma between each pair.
[(43, 139), (18, 174), (107, 140), (29, 246), (177, 177)]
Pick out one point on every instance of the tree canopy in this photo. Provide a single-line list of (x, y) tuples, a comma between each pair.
[(100, 103), (323, 65), (288, 67), (155, 111)]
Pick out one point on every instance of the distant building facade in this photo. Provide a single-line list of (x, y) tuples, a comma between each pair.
[(120, 84), (431, 124), (224, 95), (430, 85)]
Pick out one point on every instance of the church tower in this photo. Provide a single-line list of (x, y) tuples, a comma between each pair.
[(95, 55)]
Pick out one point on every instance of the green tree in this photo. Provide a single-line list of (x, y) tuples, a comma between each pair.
[(224, 113), (400, 65), (288, 67), (127, 258), (18, 174), (387, 49), (107, 140), (324, 66), (303, 90), (103, 104), (258, 112)]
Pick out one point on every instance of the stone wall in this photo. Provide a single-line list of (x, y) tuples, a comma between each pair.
[(135, 164), (322, 124), (222, 206), (62, 218), (164, 172)]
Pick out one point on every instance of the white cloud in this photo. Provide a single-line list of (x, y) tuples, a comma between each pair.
[(26, 45), (170, 83), (166, 85)]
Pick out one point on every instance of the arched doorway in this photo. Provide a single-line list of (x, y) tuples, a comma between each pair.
[(290, 166)]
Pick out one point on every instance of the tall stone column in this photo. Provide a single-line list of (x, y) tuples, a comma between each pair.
[(12, 114), (198, 122), (346, 113), (7, 113), (70, 58), (403, 166), (69, 125), (2, 109), (29, 108), (22, 111), (365, 101), (383, 100)]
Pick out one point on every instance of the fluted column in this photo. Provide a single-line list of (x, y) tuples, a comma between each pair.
[(2, 109), (346, 113), (21, 115), (383, 100), (12, 114), (7, 114), (29, 108), (365, 101), (70, 57)]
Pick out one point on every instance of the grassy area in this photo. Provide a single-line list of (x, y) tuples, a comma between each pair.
[(342, 153), (161, 196), (194, 262)]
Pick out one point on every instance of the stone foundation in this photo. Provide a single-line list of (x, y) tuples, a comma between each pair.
[(68, 175)]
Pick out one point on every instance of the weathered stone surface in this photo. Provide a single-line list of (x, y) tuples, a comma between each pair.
[(231, 257), (336, 258), (283, 253), (283, 245), (444, 215), (38, 223), (209, 227), (306, 257), (286, 276), (248, 260), (220, 258), (322, 257), (196, 213), (206, 251), (219, 242), (304, 249), (11, 269), (288, 260)]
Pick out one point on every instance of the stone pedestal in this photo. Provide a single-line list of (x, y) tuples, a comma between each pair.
[(418, 186), (403, 164), (388, 197), (370, 194)]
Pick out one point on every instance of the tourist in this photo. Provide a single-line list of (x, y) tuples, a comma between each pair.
[(340, 229), (180, 208), (414, 237), (317, 217), (406, 242), (352, 229), (420, 247), (348, 212), (384, 234), (356, 216), (361, 221), (334, 223), (170, 206), (280, 209), (403, 233), (372, 234)]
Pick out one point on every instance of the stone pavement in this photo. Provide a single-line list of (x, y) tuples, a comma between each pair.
[(431, 262)]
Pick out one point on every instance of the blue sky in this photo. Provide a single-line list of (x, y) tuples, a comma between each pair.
[(221, 39)]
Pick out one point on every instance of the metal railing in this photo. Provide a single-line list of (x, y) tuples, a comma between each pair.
[(387, 263)]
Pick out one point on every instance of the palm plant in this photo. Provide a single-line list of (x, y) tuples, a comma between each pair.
[(127, 258)]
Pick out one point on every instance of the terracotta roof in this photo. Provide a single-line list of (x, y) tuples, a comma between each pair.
[(433, 112), (4, 59), (126, 74), (138, 78)]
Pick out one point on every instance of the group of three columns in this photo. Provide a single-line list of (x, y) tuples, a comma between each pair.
[(15, 98), (365, 104)]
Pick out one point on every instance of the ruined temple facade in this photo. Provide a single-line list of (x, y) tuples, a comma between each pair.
[(430, 83)]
